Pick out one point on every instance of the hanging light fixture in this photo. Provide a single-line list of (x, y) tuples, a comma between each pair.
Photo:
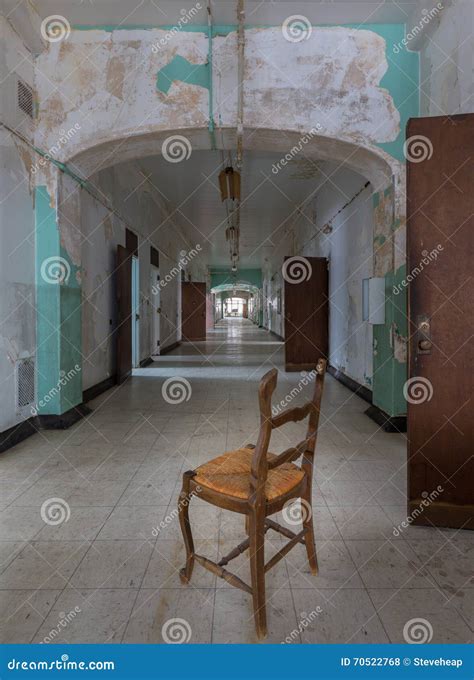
[(229, 184)]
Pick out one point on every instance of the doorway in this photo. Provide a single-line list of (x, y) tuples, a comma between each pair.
[(193, 309), (306, 312), (441, 349)]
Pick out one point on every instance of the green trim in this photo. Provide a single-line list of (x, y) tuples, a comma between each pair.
[(220, 276), (58, 315)]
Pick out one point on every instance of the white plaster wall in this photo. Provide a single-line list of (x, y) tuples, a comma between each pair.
[(107, 81), (136, 208), (17, 256), (447, 62), (349, 249)]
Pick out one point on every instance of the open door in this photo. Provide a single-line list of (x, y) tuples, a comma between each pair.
[(306, 312), (124, 313), (439, 390), (193, 305)]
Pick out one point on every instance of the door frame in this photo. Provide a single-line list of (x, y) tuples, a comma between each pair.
[(135, 312), (155, 300)]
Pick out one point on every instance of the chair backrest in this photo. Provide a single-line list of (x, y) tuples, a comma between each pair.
[(269, 421)]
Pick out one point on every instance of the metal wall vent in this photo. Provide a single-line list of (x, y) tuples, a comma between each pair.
[(25, 98), (25, 382)]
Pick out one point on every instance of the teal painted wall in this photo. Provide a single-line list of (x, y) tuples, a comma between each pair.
[(389, 339), (401, 78), (58, 315), (224, 276)]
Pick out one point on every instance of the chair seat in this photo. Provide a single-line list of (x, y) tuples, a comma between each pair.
[(230, 474)]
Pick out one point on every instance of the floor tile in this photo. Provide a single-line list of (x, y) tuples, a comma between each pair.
[(23, 611), (171, 617), (45, 565), (440, 622), (338, 617), (102, 617), (389, 564)]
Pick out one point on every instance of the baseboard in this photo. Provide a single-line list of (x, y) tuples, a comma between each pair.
[(16, 434), (361, 390), (386, 422), (277, 336), (96, 390), (169, 348), (438, 514), (146, 362), (65, 420)]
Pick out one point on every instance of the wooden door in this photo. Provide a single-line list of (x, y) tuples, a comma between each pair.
[(306, 312), (193, 305), (439, 390), (124, 313)]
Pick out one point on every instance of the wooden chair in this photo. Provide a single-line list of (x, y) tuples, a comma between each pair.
[(258, 484)]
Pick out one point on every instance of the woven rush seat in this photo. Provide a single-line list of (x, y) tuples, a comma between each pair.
[(230, 474)]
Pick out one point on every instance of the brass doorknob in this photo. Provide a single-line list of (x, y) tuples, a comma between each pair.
[(425, 345)]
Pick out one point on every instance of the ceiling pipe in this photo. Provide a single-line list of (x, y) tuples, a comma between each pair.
[(240, 76), (240, 122), (211, 124)]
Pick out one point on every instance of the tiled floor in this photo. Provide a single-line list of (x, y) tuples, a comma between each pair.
[(106, 570)]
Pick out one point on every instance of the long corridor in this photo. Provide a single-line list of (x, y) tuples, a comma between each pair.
[(90, 543)]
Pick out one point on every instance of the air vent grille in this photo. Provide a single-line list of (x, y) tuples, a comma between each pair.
[(25, 392), (25, 99)]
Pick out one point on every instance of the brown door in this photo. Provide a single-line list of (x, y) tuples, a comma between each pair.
[(193, 304), (439, 391), (306, 311), (124, 313)]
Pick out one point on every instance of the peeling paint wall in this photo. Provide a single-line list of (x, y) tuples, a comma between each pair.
[(447, 64), (17, 270), (111, 82)]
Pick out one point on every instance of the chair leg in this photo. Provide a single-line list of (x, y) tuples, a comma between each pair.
[(257, 569), (307, 512), (183, 511)]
